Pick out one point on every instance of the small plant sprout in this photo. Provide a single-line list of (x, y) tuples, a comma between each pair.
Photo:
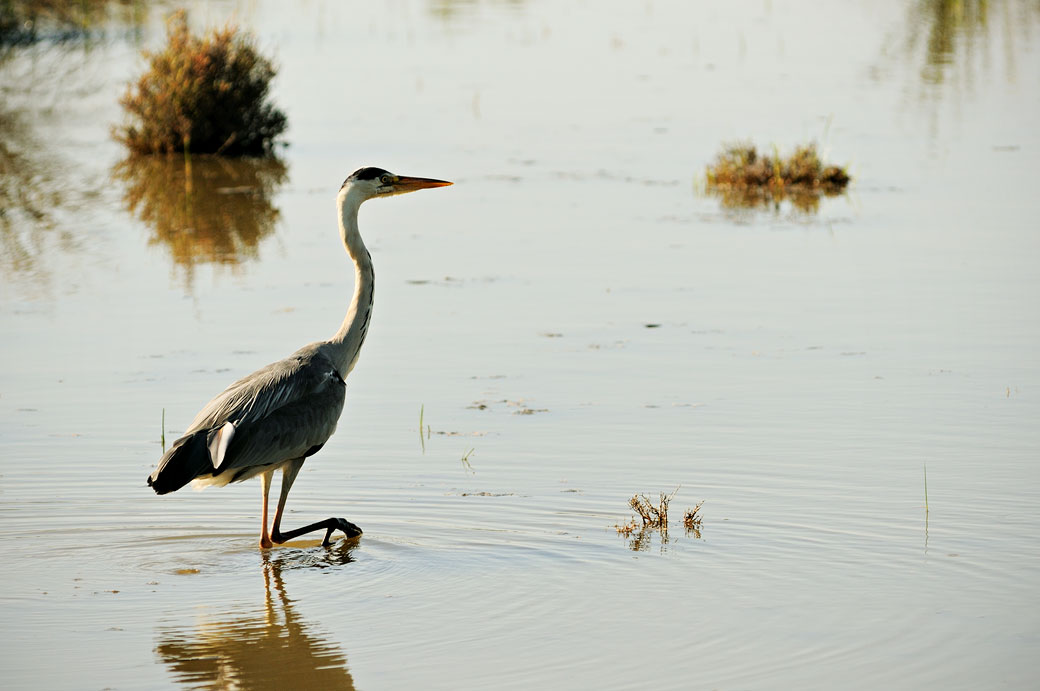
[(465, 461), (926, 488), (422, 441)]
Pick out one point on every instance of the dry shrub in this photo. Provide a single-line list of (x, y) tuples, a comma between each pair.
[(203, 95)]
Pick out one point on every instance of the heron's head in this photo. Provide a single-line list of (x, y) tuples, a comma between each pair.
[(367, 183)]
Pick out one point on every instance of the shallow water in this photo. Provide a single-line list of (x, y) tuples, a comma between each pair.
[(802, 371)]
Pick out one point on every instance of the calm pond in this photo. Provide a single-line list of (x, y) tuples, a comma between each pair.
[(851, 387)]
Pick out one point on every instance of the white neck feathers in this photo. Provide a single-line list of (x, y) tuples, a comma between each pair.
[(345, 346)]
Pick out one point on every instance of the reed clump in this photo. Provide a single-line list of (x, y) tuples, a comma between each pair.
[(654, 516), (745, 177), (202, 95)]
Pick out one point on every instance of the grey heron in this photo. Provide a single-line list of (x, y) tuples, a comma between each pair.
[(276, 417)]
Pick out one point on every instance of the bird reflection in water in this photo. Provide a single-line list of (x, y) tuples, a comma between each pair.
[(204, 209), (270, 648)]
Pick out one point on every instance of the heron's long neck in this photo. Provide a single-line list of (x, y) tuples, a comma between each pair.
[(346, 344)]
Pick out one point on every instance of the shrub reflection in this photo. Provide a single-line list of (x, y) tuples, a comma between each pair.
[(204, 209)]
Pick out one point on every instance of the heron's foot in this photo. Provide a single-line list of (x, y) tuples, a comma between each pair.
[(265, 542), (341, 524), (329, 525)]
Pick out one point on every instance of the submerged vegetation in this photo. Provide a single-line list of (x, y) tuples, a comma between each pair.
[(202, 95), (743, 177)]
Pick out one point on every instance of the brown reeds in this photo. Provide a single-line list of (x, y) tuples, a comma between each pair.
[(654, 516), (692, 520)]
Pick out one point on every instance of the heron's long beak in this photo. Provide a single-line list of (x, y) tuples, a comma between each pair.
[(404, 184)]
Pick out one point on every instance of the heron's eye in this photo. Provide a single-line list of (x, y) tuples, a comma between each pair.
[(385, 179)]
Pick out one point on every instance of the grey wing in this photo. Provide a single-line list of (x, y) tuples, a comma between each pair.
[(285, 410), (293, 430), (257, 395), (277, 413)]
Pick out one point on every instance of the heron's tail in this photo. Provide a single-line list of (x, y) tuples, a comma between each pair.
[(183, 462)]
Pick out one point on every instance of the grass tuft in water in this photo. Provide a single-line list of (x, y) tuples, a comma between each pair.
[(743, 177), (203, 95)]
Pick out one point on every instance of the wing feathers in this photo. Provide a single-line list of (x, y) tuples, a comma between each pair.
[(280, 412), (219, 440)]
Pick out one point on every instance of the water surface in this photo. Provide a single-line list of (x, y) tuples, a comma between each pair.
[(576, 319)]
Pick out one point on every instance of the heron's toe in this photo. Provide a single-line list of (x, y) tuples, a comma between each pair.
[(348, 528)]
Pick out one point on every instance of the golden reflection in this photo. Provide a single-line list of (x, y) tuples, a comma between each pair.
[(952, 39), (449, 10), (29, 21), (29, 196), (738, 199), (267, 649), (45, 51), (642, 539), (204, 209)]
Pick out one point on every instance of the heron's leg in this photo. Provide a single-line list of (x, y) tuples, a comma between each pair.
[(329, 525), (265, 487)]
